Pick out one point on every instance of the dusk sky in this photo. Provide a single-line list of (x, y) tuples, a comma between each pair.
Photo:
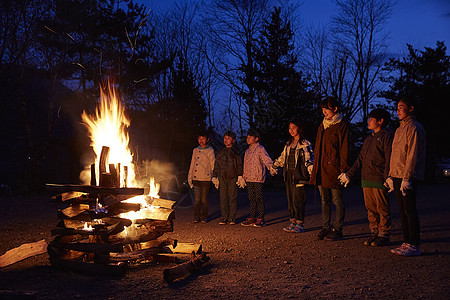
[(417, 22)]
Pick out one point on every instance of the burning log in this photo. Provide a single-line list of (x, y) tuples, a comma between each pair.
[(68, 196), (185, 269)]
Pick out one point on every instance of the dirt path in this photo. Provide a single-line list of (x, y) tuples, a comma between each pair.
[(251, 263)]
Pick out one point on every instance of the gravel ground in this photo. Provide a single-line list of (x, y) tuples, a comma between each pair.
[(246, 262)]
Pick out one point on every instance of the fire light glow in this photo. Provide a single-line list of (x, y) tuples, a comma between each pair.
[(88, 227), (108, 127)]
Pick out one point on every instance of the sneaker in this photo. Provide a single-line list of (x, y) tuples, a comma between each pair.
[(232, 222), (323, 233), (298, 228), (289, 228), (249, 222), (409, 251), (196, 221), (334, 235), (223, 222), (369, 241), (380, 241), (400, 249), (259, 223), (204, 221)]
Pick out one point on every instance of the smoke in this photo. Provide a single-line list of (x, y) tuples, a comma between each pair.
[(162, 172)]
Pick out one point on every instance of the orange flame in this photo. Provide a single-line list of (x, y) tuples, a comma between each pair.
[(108, 127)]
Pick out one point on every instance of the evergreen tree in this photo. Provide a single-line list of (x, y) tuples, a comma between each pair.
[(281, 91), (425, 76)]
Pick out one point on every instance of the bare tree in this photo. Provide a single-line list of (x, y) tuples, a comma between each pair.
[(346, 58), (233, 27)]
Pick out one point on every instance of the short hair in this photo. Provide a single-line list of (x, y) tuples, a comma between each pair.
[(330, 103), (203, 133), (254, 132), (231, 134), (378, 114), (408, 101)]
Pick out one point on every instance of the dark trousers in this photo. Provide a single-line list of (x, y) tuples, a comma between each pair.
[(296, 201), (408, 212), (327, 196), (201, 189), (256, 199), (228, 195)]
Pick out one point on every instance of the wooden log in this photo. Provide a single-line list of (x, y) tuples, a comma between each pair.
[(113, 172), (90, 268), (132, 256), (104, 155), (137, 233), (185, 269), (23, 251), (94, 189), (74, 210), (90, 247), (106, 179), (186, 248), (93, 176), (67, 196), (164, 203), (166, 258)]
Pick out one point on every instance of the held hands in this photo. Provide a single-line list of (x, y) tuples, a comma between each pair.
[(389, 184), (273, 171), (406, 185), (215, 180), (343, 178), (310, 168), (241, 182)]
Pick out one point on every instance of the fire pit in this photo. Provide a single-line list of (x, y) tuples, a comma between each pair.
[(109, 223)]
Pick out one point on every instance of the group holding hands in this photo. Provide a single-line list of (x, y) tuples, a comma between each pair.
[(387, 162)]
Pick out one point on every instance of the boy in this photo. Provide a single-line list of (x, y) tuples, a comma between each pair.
[(227, 170), (331, 151), (406, 168), (256, 160), (199, 176), (373, 161)]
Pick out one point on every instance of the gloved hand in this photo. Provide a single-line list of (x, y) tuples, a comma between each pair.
[(215, 180), (241, 182), (406, 185), (310, 168), (273, 171), (343, 178), (191, 185), (389, 184)]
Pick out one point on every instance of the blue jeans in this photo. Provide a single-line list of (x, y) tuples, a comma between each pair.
[(327, 196)]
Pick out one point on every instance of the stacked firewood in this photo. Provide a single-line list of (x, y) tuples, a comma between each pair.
[(92, 236)]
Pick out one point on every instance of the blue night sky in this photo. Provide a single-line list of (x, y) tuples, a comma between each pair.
[(417, 22)]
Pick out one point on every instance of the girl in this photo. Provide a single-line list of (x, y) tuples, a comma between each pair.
[(297, 162)]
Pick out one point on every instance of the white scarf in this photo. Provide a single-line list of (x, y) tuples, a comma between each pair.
[(336, 119)]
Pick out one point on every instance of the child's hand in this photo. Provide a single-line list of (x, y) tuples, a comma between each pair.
[(389, 184), (215, 180), (310, 168), (273, 171), (343, 178), (190, 183), (406, 185), (241, 182)]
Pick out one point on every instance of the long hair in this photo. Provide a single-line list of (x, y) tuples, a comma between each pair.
[(300, 130)]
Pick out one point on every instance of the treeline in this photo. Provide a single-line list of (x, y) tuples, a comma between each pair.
[(215, 65)]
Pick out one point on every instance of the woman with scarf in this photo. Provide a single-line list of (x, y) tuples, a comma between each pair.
[(331, 153)]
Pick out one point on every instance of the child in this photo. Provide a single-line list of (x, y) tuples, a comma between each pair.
[(199, 177), (297, 162), (331, 151), (406, 168), (373, 161), (256, 160), (227, 170)]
